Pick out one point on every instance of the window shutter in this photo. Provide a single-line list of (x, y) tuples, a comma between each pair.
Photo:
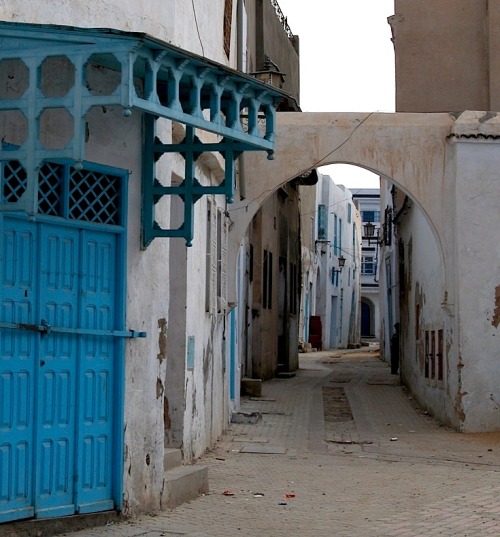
[(322, 222), (223, 261), (212, 258)]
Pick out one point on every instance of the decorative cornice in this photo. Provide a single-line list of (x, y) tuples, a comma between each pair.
[(476, 125)]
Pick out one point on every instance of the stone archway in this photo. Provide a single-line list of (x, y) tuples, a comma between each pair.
[(408, 149), (448, 165)]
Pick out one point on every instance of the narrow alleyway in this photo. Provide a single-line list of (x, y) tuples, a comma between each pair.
[(341, 450)]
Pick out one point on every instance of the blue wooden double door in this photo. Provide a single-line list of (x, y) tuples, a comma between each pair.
[(57, 370)]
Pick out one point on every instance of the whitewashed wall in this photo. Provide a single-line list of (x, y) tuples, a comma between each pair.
[(151, 293), (173, 21), (424, 288), (478, 283)]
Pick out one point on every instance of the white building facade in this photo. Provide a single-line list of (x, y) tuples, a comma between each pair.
[(368, 203), (333, 279), (119, 149)]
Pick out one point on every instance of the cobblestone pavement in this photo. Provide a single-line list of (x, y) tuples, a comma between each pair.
[(312, 468)]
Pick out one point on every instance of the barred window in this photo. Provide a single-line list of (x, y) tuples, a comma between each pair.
[(217, 245), (14, 181), (93, 197)]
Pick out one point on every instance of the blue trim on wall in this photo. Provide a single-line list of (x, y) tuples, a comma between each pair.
[(232, 354)]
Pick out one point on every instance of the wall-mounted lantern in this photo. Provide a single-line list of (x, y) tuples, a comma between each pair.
[(369, 231), (271, 74), (341, 262)]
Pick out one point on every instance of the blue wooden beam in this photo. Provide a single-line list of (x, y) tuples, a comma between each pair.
[(174, 84)]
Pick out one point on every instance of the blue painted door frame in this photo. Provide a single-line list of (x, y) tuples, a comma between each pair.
[(61, 365)]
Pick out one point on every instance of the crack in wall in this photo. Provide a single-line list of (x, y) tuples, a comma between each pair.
[(496, 313)]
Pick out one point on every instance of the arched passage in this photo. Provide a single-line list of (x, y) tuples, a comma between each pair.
[(446, 164), (408, 149)]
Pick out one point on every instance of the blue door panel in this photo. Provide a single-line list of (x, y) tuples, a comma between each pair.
[(56, 389), (59, 262), (18, 249), (95, 486)]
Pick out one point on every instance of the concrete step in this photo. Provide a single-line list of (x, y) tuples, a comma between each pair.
[(172, 457), (184, 483)]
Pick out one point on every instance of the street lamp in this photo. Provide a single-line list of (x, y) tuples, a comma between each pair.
[(369, 231), (271, 74), (341, 262), (335, 272)]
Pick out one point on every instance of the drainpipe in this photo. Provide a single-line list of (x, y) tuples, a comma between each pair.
[(240, 50), (239, 37)]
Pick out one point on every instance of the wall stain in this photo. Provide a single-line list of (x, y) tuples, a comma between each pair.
[(447, 362), (496, 314), (159, 388), (459, 404), (167, 420), (419, 323), (162, 339)]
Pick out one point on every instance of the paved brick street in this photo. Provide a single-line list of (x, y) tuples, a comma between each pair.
[(341, 450)]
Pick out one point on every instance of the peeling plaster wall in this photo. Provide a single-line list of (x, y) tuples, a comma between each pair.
[(206, 411), (264, 236), (151, 367), (422, 290), (478, 280)]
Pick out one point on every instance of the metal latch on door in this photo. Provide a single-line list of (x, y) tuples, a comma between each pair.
[(45, 328)]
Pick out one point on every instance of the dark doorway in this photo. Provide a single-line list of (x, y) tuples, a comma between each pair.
[(366, 330)]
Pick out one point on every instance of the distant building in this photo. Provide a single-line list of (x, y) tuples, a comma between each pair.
[(388, 265), (331, 272), (368, 203)]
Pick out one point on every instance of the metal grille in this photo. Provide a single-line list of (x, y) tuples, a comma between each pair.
[(14, 181), (50, 181), (63, 191), (94, 197)]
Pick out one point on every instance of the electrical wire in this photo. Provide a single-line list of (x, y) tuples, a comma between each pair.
[(270, 191), (197, 28)]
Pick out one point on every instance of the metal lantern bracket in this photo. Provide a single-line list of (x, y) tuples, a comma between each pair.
[(154, 77)]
